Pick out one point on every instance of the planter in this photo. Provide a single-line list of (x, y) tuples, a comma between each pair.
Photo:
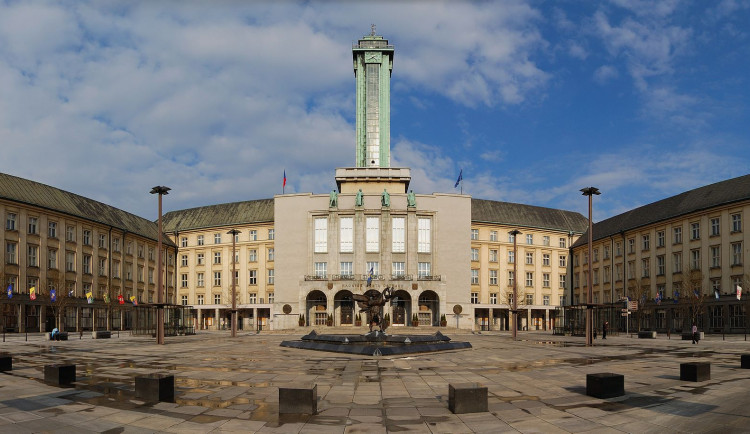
[(329, 323), (443, 323), (358, 323), (415, 323)]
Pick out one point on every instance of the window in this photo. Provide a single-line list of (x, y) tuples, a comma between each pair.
[(596, 276), (677, 262), (493, 255), (529, 258), (150, 275), (270, 277), (102, 241), (660, 265), (116, 269), (631, 269), (618, 272), (695, 259), (140, 273), (129, 248), (545, 240), (398, 268), (321, 235), (52, 259), (695, 231), (33, 225), (184, 260), (562, 300), (217, 238), (474, 298), (474, 254), (70, 233), (646, 242), (217, 257), (397, 229), (70, 261), (200, 299), (423, 235), (140, 250), (493, 298), (217, 298), (271, 234), (374, 266), (346, 269), (644, 267), (200, 240), (217, 278), (474, 234), (545, 280), (529, 299), (714, 222), (677, 235), (347, 234), (736, 253), (10, 253), (529, 239), (253, 235), (10, 221), (200, 281), (595, 253), (271, 253), (321, 269), (33, 256), (372, 234), (660, 238), (86, 237), (631, 245), (511, 237), (271, 297), (493, 235), (183, 242), (737, 222), (184, 300), (87, 264), (52, 230), (563, 278), (184, 280), (575, 260), (606, 252), (511, 257), (493, 277), (252, 255), (545, 259), (252, 298), (715, 257), (423, 269), (253, 276), (545, 300), (116, 244), (511, 278), (529, 278), (475, 276), (200, 258), (563, 261), (618, 249), (563, 242)]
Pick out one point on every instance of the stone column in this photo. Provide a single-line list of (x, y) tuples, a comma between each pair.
[(217, 319), (199, 325), (546, 319)]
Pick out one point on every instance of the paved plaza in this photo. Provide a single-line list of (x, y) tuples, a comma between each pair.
[(536, 384)]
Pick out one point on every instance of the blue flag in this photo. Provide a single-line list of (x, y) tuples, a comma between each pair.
[(460, 178), (716, 293), (10, 291), (52, 295), (676, 297), (369, 277)]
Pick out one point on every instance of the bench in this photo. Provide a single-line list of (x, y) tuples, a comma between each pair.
[(6, 362), (689, 336), (745, 361), (59, 375), (695, 371), (300, 399), (646, 335), (155, 387), (605, 385), (101, 334), (60, 336), (467, 398)]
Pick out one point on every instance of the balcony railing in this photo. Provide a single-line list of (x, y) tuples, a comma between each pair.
[(402, 277), (316, 277), (342, 277), (430, 277)]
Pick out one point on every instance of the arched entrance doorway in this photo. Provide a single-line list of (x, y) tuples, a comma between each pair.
[(429, 308), (401, 306), (343, 306), (317, 308)]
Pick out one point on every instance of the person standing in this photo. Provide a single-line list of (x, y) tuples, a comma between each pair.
[(605, 329), (695, 333)]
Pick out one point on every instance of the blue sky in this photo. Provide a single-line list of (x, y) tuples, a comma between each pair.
[(534, 100)]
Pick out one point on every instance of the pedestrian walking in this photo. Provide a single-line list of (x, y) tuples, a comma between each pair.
[(605, 329), (695, 333)]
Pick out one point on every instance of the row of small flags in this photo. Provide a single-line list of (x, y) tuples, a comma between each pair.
[(89, 296)]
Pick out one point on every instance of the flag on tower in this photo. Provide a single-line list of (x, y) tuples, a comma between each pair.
[(32, 293), (284, 184), (739, 292), (460, 178)]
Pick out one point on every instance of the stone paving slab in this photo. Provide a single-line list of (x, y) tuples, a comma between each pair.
[(535, 384)]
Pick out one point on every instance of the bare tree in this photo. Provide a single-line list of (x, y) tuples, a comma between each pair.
[(640, 292), (62, 299), (694, 297)]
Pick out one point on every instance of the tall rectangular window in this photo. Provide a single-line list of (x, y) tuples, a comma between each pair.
[(493, 277), (493, 255), (659, 238), (398, 234), (715, 256), (562, 280), (563, 243), (271, 276), (474, 234), (183, 242), (321, 269), (423, 235), (474, 254), (253, 235), (271, 254), (511, 278), (374, 266), (200, 240), (715, 222), (217, 238), (529, 278), (423, 269), (346, 230), (200, 299), (737, 222), (271, 234), (200, 280), (644, 267), (33, 256), (529, 239), (10, 253), (217, 278), (33, 225), (252, 255), (183, 280), (52, 259), (10, 221), (529, 258), (70, 233), (398, 269), (217, 298), (321, 235), (493, 235), (545, 240), (346, 269), (475, 277), (677, 262), (545, 259), (86, 237), (70, 261), (86, 264), (695, 231), (511, 257), (52, 229), (695, 259), (646, 239), (253, 276), (736, 253), (545, 280), (660, 265), (372, 234), (217, 257), (563, 260)]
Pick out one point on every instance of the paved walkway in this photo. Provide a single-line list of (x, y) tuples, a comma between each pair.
[(536, 384)]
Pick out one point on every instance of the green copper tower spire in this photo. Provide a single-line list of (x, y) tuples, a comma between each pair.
[(373, 63)]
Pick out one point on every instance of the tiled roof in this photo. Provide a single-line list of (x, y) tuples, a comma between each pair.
[(226, 214), (40, 195), (515, 214), (709, 196)]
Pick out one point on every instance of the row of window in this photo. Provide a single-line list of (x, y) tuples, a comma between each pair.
[(562, 259), (71, 288), (200, 278), (511, 278), (372, 234), (346, 268), (252, 298), (509, 296), (200, 258), (678, 289), (252, 236), (511, 238)]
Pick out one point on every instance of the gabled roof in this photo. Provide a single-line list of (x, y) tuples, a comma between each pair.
[(226, 214), (710, 196), (516, 214), (43, 196)]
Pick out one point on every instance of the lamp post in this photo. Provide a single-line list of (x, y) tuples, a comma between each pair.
[(590, 192), (161, 191), (234, 233), (514, 308)]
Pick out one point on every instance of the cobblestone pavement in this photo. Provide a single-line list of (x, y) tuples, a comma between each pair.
[(536, 384)]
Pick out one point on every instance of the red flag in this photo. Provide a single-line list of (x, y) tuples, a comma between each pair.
[(284, 184), (120, 299)]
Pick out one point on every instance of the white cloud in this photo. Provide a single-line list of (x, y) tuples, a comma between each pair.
[(605, 73)]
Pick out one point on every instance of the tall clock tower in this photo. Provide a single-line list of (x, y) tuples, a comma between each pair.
[(373, 63)]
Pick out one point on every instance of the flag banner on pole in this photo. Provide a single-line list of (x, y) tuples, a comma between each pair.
[(657, 299), (369, 277), (120, 299), (90, 297), (284, 184), (460, 178), (53, 295), (10, 291), (32, 293), (70, 293), (106, 297), (716, 294), (739, 292), (676, 297), (133, 300)]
